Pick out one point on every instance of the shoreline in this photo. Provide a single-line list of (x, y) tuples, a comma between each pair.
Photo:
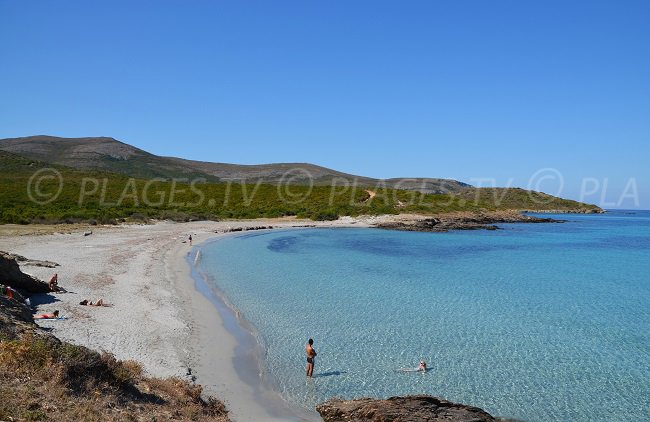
[(164, 315), (160, 316), (253, 398)]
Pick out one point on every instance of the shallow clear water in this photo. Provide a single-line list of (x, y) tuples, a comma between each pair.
[(537, 321)]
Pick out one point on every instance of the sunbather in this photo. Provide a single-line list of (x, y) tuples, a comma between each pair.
[(52, 315), (98, 302)]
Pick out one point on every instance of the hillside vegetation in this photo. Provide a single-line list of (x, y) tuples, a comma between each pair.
[(34, 191), (108, 154)]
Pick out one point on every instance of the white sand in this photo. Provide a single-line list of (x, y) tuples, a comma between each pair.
[(158, 318)]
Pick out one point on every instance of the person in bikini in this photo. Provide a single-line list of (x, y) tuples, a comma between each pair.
[(53, 315), (311, 355), (98, 302)]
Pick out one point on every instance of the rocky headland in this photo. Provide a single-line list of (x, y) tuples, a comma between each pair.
[(461, 221), (575, 211)]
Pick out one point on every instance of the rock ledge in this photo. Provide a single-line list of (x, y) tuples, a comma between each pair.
[(421, 408), (462, 221)]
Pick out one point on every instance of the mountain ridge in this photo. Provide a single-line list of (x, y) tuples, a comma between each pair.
[(110, 154)]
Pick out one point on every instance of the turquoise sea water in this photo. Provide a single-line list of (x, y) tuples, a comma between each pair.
[(539, 322)]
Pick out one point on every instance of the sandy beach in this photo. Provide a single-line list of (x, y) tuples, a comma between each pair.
[(157, 317)]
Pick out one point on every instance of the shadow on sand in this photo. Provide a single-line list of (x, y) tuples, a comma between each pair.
[(43, 299)]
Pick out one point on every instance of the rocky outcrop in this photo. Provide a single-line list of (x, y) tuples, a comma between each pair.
[(435, 225), (573, 211), (400, 409), (15, 318), (464, 221), (245, 229), (16, 309), (15, 314), (11, 275), (32, 262)]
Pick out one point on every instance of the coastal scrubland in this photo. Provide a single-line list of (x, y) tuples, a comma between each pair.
[(33, 191)]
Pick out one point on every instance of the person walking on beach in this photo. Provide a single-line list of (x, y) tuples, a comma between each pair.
[(311, 355), (190, 240)]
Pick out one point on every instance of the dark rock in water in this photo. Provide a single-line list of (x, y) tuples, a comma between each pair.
[(435, 225), (400, 409), (464, 221), (242, 229), (258, 228), (571, 211), (11, 275)]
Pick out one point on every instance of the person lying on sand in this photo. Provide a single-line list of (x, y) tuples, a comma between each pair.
[(98, 302), (54, 283), (53, 315)]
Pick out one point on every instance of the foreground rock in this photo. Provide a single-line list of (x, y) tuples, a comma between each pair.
[(15, 317), (403, 409), (463, 221)]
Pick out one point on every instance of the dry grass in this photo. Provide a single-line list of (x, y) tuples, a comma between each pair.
[(44, 379), (46, 229)]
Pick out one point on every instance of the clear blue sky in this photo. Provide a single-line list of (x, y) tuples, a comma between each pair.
[(459, 89)]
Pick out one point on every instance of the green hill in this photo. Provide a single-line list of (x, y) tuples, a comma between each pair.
[(35, 191), (111, 155)]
